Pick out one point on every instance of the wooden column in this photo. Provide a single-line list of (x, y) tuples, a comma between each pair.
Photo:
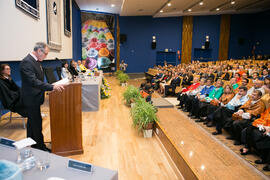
[(224, 37), (117, 44), (187, 32)]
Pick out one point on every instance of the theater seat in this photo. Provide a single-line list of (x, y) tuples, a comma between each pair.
[(49, 75), (2, 109), (59, 71)]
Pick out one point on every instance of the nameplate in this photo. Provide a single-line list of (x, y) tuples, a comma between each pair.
[(7, 142), (85, 167)]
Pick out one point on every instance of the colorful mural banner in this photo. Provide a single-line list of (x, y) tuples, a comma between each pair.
[(97, 44)]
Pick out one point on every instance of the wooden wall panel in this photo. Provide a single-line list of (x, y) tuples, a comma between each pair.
[(224, 37), (187, 31)]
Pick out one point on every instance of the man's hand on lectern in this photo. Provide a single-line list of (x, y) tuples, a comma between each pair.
[(58, 87)]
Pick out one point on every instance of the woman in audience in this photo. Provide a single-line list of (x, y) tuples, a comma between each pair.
[(227, 95), (65, 72), (237, 77), (72, 68), (10, 92), (165, 81)]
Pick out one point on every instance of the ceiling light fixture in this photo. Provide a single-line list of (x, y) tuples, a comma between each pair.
[(201, 3), (233, 2), (189, 10), (161, 11), (169, 4), (217, 9), (112, 5)]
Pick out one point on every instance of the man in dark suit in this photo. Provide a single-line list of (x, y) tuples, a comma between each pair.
[(174, 82), (33, 88)]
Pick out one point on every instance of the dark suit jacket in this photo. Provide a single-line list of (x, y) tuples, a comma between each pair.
[(33, 87), (175, 82), (9, 93), (73, 71)]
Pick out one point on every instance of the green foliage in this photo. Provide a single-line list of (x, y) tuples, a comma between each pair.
[(123, 77), (131, 94), (143, 113), (118, 72)]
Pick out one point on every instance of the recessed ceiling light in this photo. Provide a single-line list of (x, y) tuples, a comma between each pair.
[(169, 4), (217, 9), (161, 11), (189, 10), (112, 5), (201, 3), (233, 2)]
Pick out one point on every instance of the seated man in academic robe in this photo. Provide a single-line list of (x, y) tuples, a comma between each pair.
[(257, 136), (224, 112), (10, 92), (203, 104), (203, 94), (243, 117), (190, 92)]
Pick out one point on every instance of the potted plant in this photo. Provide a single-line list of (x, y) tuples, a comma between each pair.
[(123, 79), (131, 94), (118, 72), (144, 116)]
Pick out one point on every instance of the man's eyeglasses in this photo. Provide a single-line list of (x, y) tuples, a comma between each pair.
[(42, 50)]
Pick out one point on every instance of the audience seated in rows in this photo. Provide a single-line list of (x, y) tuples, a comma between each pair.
[(244, 98)]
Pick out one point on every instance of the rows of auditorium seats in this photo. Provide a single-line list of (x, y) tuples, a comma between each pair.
[(230, 96)]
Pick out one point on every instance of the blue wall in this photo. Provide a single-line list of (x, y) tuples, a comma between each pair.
[(136, 51), (241, 36), (252, 28), (206, 26), (76, 32), (262, 33)]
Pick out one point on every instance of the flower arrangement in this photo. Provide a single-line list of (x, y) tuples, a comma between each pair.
[(104, 89)]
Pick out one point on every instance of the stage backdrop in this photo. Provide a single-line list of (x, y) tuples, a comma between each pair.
[(97, 40)]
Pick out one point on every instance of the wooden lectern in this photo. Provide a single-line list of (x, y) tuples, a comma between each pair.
[(66, 120)]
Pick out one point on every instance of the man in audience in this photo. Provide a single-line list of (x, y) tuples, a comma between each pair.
[(186, 100), (257, 136), (33, 89), (243, 117), (183, 93), (222, 114), (257, 85), (203, 94), (202, 106), (264, 74), (174, 83)]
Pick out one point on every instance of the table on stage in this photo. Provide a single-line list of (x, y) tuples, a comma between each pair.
[(91, 93), (58, 167)]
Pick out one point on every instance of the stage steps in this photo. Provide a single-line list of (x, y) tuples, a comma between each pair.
[(196, 153)]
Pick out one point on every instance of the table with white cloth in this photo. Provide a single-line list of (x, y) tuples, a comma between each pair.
[(58, 167), (91, 92)]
